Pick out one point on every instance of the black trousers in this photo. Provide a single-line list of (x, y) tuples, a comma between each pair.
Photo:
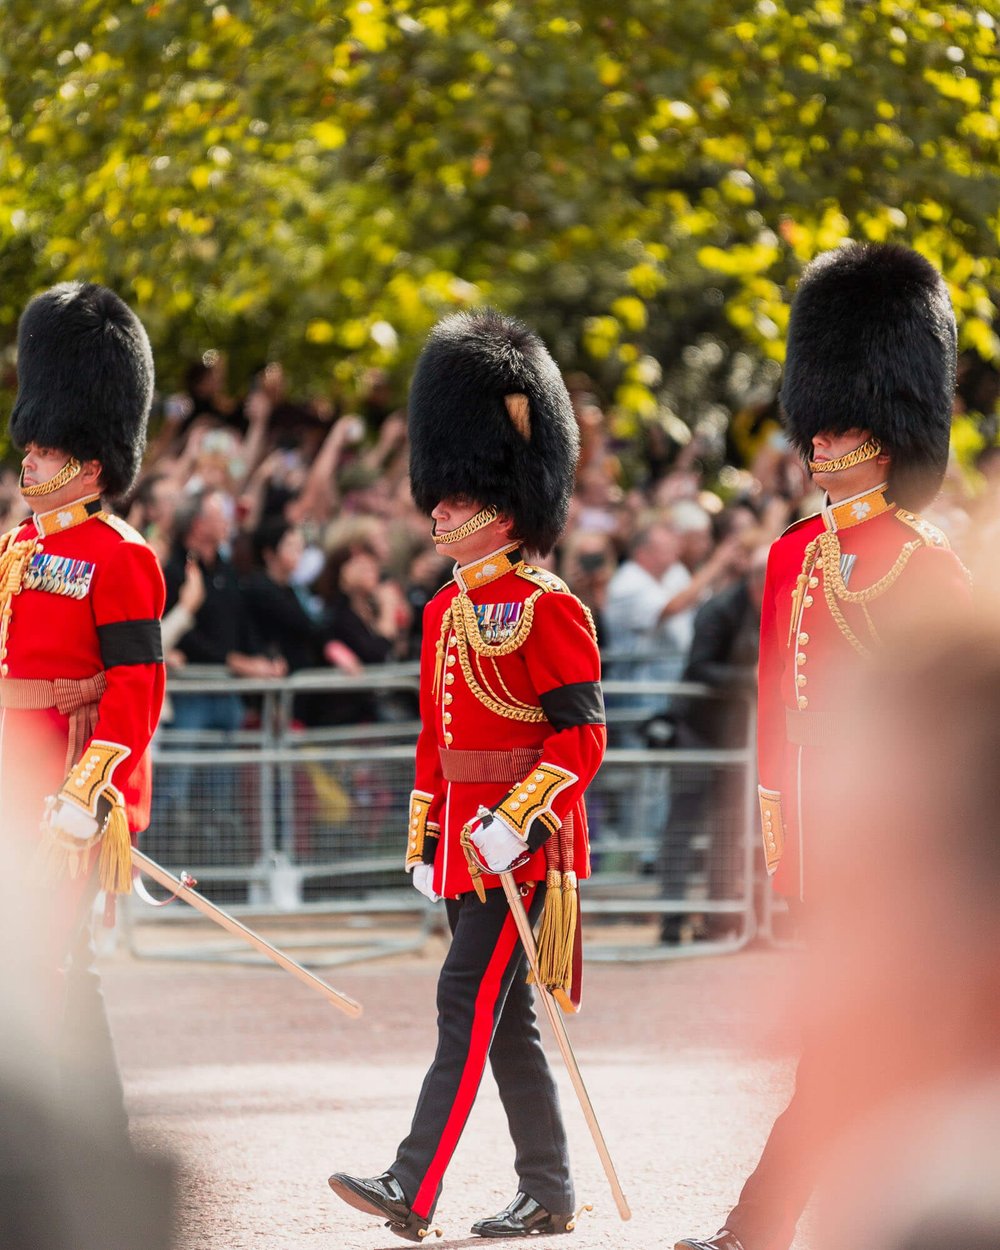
[(485, 1009), (775, 1194)]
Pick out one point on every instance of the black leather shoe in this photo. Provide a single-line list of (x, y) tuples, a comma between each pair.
[(723, 1240), (523, 1218), (381, 1195)]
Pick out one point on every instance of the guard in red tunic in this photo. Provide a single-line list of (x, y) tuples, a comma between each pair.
[(867, 395), (81, 671), (512, 733)]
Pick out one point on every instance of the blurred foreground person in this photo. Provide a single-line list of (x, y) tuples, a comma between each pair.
[(81, 666), (903, 943), (867, 391), (512, 733)]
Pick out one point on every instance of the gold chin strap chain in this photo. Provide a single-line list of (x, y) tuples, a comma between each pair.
[(867, 451), (484, 517), (65, 475)]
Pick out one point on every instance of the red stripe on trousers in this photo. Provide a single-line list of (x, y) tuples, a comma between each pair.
[(480, 1037)]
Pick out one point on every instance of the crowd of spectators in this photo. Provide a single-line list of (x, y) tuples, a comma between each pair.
[(289, 539)]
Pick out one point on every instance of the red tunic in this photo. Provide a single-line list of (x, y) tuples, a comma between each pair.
[(509, 662), (891, 571), (90, 598)]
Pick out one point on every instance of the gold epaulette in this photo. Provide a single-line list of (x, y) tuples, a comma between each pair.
[(545, 580), (128, 532), (929, 534), (790, 529), (542, 578)]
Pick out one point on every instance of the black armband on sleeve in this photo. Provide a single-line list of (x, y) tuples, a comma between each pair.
[(581, 703), (130, 642)]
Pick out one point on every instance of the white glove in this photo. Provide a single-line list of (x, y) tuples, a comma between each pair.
[(498, 845), (423, 880), (70, 819)]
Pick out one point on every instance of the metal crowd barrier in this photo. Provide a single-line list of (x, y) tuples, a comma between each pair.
[(284, 821)]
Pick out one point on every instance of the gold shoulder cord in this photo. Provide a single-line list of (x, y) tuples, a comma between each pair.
[(14, 561), (461, 617), (834, 588)]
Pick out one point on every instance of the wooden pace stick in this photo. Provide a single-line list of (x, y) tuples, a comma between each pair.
[(516, 904), (182, 890)]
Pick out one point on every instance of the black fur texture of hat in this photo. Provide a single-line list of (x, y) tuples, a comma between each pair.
[(85, 380), (872, 345), (490, 420)]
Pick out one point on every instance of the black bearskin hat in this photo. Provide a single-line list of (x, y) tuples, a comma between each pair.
[(871, 345), (491, 420), (85, 380)]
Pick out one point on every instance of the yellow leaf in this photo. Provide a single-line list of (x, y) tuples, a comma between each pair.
[(329, 134), (319, 331)]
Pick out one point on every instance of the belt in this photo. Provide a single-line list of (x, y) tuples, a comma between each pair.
[(79, 700), (499, 767), (812, 729)]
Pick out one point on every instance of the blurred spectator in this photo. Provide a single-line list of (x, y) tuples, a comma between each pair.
[(282, 613), (180, 619), (12, 507), (705, 826), (222, 632), (597, 502), (151, 512), (653, 596), (640, 604), (365, 619), (426, 574), (587, 564)]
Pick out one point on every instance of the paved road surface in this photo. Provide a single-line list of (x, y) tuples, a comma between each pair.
[(259, 1090)]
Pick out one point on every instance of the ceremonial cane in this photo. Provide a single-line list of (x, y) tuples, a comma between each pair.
[(182, 888), (516, 904)]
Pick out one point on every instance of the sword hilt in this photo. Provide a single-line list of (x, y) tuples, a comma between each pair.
[(472, 859)]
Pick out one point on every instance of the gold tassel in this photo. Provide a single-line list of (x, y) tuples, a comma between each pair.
[(570, 907), (549, 930), (115, 862)]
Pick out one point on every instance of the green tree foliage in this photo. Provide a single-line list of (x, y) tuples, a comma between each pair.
[(321, 181)]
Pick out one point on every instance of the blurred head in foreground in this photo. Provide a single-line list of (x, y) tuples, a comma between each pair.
[(905, 983)]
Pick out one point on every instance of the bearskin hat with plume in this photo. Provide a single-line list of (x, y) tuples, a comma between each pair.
[(871, 345), (85, 380), (490, 420)]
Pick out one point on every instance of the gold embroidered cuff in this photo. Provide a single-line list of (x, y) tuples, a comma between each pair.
[(419, 827), (772, 826), (92, 774), (533, 797)]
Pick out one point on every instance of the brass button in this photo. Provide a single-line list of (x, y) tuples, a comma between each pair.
[(447, 718), (803, 702), (449, 678), (801, 658), (801, 679), (808, 601), (803, 640), (539, 776), (451, 658), (447, 737), (449, 698), (515, 806), (814, 581)]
